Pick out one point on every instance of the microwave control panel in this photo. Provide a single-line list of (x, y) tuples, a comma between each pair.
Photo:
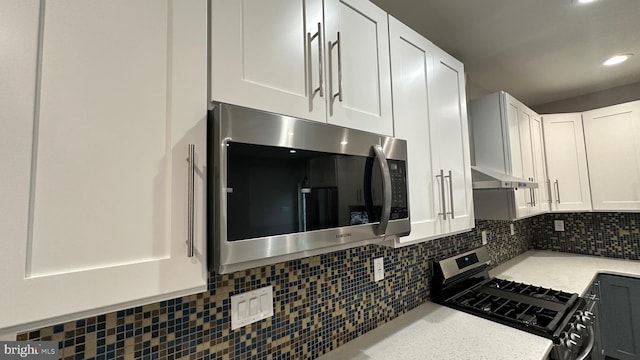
[(398, 170)]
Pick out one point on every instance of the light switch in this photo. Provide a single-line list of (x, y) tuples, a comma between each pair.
[(242, 309), (266, 303), (251, 306)]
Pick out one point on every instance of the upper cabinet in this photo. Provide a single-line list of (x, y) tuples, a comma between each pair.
[(507, 138), (430, 113), (319, 60), (449, 122), (566, 162), (105, 205), (612, 137)]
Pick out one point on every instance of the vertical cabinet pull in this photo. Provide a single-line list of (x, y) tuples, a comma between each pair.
[(444, 209), (532, 195), (549, 190), (450, 194), (191, 200), (339, 44), (310, 38), (557, 186)]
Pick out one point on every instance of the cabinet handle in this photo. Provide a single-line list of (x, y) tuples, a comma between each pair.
[(191, 200), (450, 193), (331, 45), (549, 190), (310, 38), (444, 209), (598, 296), (557, 186)]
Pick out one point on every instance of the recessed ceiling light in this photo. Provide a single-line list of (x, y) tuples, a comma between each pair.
[(292, 151), (617, 59), (585, 1)]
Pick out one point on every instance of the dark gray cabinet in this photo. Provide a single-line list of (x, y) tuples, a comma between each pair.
[(619, 320)]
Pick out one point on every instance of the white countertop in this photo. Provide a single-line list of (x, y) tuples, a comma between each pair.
[(567, 272), (431, 331)]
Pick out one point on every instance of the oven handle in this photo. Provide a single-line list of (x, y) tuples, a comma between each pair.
[(585, 353), (386, 189)]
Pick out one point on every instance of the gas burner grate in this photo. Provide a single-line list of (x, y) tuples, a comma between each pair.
[(538, 292)]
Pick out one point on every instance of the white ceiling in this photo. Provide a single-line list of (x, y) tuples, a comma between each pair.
[(540, 51)]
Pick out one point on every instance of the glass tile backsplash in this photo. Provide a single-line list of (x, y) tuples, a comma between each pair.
[(321, 302)]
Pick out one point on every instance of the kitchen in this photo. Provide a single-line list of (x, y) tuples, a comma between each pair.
[(173, 308)]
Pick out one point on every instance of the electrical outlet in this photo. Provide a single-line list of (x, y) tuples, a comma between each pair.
[(484, 237), (512, 228), (378, 269), (558, 225)]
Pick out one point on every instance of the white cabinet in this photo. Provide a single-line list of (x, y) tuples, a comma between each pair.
[(94, 156), (430, 113), (566, 162), (448, 118), (612, 138), (507, 138), (319, 60), (541, 195)]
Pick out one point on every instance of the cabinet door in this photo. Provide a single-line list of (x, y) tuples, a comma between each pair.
[(411, 70), (359, 80), (541, 194), (620, 316), (566, 162), (514, 118), (115, 110), (448, 116), (612, 137), (267, 55)]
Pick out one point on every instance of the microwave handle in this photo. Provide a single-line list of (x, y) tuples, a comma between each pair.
[(386, 189)]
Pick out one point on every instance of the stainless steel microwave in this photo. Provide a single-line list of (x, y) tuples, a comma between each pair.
[(285, 188)]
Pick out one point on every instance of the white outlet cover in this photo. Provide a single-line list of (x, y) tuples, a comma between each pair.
[(484, 237), (251, 306), (378, 269), (558, 225), (513, 229)]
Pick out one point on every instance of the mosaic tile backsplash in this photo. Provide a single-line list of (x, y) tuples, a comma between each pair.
[(321, 302), (614, 235)]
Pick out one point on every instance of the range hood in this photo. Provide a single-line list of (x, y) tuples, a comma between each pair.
[(484, 179)]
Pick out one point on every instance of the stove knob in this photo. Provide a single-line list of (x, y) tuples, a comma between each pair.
[(588, 313), (571, 345), (579, 327), (575, 337)]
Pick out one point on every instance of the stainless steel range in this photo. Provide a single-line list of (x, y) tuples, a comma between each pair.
[(462, 282)]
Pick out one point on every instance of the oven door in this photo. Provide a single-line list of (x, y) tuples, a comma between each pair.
[(287, 188)]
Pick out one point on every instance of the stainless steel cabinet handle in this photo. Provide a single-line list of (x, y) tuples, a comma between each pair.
[(331, 45), (191, 200), (549, 190), (386, 188), (450, 194), (310, 38), (557, 186), (444, 209)]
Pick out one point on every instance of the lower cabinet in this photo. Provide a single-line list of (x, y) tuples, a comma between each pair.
[(430, 113), (618, 317), (98, 197)]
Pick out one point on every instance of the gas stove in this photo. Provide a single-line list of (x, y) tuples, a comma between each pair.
[(462, 282)]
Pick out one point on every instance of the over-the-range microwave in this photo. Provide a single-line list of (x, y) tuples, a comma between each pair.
[(284, 188)]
